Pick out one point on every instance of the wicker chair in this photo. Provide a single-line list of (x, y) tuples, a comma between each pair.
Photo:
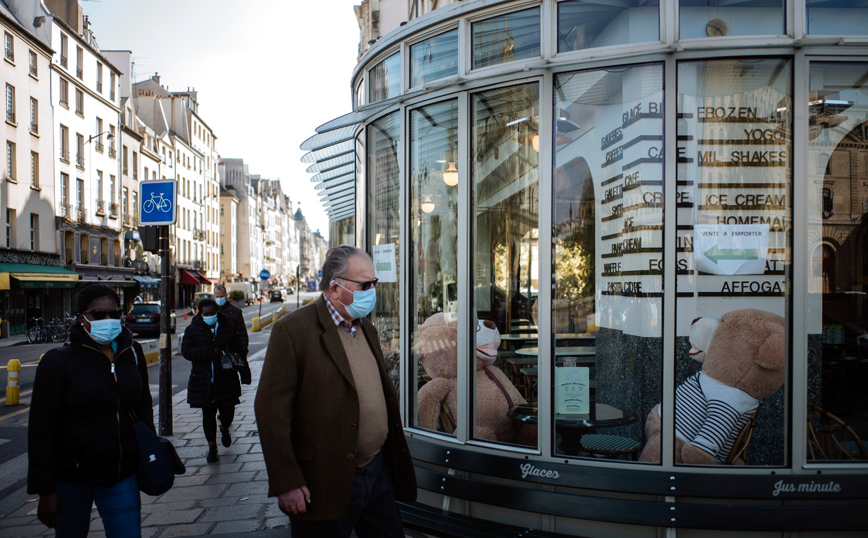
[(830, 438), (609, 446), (738, 454)]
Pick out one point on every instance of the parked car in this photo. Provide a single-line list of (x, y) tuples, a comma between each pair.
[(276, 296), (145, 318)]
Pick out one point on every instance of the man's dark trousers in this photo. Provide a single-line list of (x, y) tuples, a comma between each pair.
[(372, 511)]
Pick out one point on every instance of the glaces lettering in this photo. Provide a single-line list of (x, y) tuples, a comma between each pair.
[(528, 469)]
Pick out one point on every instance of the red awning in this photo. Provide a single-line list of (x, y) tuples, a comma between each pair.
[(205, 279), (189, 278)]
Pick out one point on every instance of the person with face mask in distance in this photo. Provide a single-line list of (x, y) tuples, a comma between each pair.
[(328, 414), (214, 384), (81, 449), (242, 341)]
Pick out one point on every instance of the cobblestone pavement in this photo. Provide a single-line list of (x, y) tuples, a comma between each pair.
[(227, 498)]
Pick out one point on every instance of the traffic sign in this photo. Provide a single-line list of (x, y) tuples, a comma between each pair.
[(264, 274), (158, 202)]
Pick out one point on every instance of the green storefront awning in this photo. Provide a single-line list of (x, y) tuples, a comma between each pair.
[(27, 276)]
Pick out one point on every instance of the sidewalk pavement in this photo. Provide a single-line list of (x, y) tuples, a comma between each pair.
[(229, 498)]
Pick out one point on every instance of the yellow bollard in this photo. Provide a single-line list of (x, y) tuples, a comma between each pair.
[(13, 373), (255, 327)]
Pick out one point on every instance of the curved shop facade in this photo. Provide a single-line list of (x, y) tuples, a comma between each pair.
[(590, 178)]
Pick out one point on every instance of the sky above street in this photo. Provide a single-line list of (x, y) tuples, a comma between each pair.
[(268, 73)]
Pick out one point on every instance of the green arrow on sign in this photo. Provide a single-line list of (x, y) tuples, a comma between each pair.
[(714, 254)]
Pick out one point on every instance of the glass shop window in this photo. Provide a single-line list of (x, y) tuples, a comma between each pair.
[(607, 234), (837, 17), (838, 243), (733, 260), (506, 38), (434, 58), (602, 23), (505, 248), (719, 18), (434, 274), (385, 79), (383, 228)]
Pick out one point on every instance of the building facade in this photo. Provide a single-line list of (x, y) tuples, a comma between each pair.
[(591, 179), (31, 272)]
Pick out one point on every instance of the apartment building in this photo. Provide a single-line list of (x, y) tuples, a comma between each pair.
[(31, 272), (228, 232)]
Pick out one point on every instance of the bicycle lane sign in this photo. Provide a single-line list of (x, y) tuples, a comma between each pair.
[(158, 202)]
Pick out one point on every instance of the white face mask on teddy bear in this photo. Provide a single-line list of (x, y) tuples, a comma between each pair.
[(701, 332), (487, 341)]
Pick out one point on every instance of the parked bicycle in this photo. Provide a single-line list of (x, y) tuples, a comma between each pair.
[(37, 333), (57, 331)]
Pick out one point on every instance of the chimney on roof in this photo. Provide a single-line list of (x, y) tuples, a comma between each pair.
[(156, 78)]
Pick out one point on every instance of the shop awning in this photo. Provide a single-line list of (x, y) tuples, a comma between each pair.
[(26, 275), (147, 281), (190, 278), (205, 280), (332, 158)]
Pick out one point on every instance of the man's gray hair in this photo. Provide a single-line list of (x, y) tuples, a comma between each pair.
[(337, 263), (219, 287)]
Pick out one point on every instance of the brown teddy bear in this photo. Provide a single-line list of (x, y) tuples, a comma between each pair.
[(495, 394), (744, 363)]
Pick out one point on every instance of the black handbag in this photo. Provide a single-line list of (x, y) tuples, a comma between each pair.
[(158, 460)]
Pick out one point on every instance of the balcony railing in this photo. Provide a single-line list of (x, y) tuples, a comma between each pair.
[(64, 155), (79, 160), (135, 174), (85, 258), (126, 170), (100, 147), (99, 86), (34, 128), (113, 211), (64, 210), (112, 94), (10, 115), (198, 265), (112, 152), (128, 220), (81, 214), (63, 61), (79, 72), (100, 208), (70, 258)]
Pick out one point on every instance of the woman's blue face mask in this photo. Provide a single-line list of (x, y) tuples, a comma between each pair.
[(210, 320)]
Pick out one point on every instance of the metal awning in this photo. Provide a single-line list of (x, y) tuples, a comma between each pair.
[(147, 281), (332, 158)]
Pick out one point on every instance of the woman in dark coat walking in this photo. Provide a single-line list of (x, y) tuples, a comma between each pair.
[(81, 443), (213, 386)]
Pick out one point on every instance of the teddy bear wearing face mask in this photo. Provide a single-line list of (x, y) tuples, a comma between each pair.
[(494, 393)]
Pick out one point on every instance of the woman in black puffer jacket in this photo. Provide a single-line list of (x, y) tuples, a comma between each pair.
[(81, 443), (212, 387)]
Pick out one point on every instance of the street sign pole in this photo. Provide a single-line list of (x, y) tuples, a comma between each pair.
[(297, 285), (165, 336), (158, 207)]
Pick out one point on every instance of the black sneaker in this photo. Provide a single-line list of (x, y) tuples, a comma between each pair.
[(225, 437), (212, 456)]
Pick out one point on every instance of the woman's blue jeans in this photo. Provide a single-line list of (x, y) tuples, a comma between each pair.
[(119, 506)]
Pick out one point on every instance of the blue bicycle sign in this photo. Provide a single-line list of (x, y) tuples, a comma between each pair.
[(157, 202)]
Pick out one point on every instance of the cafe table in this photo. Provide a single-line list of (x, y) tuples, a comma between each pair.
[(572, 427)]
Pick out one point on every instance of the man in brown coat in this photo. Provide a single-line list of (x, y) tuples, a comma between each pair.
[(328, 414)]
